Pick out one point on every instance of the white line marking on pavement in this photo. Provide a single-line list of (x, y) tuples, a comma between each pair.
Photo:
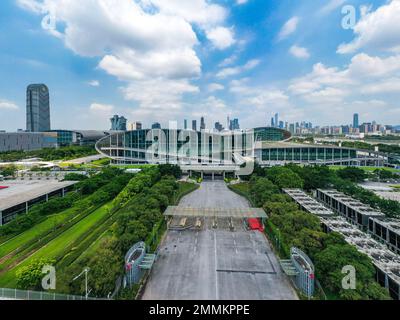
[(216, 267)]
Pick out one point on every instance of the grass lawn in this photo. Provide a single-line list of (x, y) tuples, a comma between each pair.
[(34, 232), (368, 169), (55, 247)]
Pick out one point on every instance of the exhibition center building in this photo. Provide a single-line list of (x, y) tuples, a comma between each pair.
[(226, 151)]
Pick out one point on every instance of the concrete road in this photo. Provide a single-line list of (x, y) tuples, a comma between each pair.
[(217, 264)]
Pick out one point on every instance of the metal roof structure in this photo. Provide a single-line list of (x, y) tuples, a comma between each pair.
[(389, 223), (25, 191), (307, 203), (352, 203), (385, 260), (215, 212)]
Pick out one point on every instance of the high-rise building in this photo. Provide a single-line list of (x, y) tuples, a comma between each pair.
[(37, 108), (135, 126), (272, 122), (185, 124), (202, 124), (234, 124), (219, 126), (292, 128), (356, 123), (156, 125), (276, 120), (281, 124), (194, 125), (118, 123)]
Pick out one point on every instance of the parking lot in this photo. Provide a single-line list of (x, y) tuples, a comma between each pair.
[(216, 263)]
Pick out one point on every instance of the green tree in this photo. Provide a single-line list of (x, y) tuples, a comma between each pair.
[(30, 276), (289, 180), (9, 170), (353, 174)]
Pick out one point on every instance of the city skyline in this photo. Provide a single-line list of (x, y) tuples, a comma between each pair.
[(245, 59)]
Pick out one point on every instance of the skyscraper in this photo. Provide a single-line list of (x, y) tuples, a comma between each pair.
[(185, 124), (156, 125), (135, 126), (234, 124), (276, 120), (272, 122), (194, 125), (118, 123), (219, 126), (37, 108), (356, 123), (202, 124)]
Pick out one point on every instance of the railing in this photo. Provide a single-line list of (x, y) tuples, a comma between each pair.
[(16, 294)]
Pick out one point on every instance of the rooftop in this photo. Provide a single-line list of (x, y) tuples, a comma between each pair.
[(352, 203), (392, 224), (22, 191), (380, 255), (308, 203)]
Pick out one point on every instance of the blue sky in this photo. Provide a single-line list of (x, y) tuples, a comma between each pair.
[(165, 60)]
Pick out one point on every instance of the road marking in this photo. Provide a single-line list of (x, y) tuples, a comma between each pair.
[(216, 268)]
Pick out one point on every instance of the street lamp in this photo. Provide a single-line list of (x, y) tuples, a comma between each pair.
[(85, 271)]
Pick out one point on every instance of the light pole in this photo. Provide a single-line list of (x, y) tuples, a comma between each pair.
[(85, 271)]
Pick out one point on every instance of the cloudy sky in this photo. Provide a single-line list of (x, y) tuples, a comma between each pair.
[(162, 60)]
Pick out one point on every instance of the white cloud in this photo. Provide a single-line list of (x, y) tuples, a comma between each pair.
[(369, 76), (212, 87), (365, 65), (201, 12), (228, 61), (148, 44), (257, 96), (213, 104), (221, 37), (159, 94), (326, 95), (31, 5), (331, 6), (239, 2), (377, 30), (288, 28), (228, 72), (391, 85), (94, 83), (101, 108), (4, 104), (299, 52)]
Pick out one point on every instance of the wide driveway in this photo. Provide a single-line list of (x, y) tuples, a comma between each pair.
[(217, 263)]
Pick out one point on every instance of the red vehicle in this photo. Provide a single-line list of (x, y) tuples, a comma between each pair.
[(3, 187), (255, 224)]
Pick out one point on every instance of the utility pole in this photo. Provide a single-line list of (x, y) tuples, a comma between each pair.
[(85, 271)]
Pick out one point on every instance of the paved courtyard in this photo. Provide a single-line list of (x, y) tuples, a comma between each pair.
[(217, 263)]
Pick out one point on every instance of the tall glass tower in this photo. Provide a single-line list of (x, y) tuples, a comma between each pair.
[(37, 108), (356, 123)]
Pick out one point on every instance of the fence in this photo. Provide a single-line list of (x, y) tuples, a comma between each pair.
[(16, 294)]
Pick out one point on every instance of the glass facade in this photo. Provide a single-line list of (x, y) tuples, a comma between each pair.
[(271, 134), (265, 145), (308, 154), (37, 108)]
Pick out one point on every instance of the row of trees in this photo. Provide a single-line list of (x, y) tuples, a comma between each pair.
[(293, 227), (50, 154), (141, 205)]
